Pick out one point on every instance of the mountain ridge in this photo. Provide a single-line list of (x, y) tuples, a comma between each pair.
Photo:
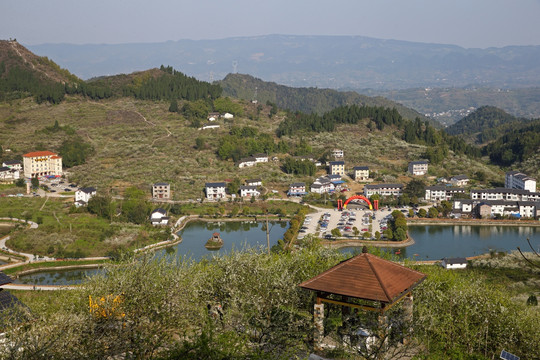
[(307, 100), (303, 61)]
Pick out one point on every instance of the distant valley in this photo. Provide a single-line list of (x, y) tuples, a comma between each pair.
[(444, 82)]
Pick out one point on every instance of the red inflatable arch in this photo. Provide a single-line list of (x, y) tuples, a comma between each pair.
[(360, 197)]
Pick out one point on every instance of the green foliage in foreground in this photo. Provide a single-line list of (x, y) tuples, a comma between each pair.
[(171, 312)]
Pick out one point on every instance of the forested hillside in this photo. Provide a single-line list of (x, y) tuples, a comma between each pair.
[(307, 100), (515, 145), (486, 124), (413, 132)]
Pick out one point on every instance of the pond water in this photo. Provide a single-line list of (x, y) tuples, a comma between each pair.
[(236, 235), (57, 277), (436, 242), (431, 243)]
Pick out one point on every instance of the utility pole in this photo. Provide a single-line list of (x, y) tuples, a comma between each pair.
[(267, 233)]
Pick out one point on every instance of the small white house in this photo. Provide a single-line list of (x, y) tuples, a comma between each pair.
[(13, 164), (459, 180), (337, 153), (247, 162), (260, 158), (159, 217), (249, 191), (227, 116), (454, 263), (83, 195), (8, 174), (254, 182), (209, 126)]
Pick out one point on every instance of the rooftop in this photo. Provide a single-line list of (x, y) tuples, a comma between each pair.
[(366, 277), (40, 153)]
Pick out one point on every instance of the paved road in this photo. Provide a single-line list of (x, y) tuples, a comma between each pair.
[(30, 257)]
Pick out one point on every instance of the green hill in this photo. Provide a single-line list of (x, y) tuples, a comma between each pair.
[(307, 100), (486, 124)]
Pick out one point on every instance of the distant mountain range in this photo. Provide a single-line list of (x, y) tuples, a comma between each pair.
[(353, 62)]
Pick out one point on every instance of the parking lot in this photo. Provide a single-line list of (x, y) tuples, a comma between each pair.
[(57, 186), (324, 221)]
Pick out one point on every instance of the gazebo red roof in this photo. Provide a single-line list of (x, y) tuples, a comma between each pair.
[(366, 277)]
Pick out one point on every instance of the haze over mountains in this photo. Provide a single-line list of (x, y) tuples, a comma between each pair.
[(352, 62)]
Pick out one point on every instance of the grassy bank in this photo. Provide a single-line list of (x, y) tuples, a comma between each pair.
[(51, 264), (63, 233)]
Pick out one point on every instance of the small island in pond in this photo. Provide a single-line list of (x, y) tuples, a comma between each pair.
[(215, 242)]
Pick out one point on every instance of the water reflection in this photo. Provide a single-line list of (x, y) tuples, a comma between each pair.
[(57, 277), (436, 242), (236, 235), (464, 241)]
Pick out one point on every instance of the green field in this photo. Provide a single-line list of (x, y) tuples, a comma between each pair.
[(64, 233)]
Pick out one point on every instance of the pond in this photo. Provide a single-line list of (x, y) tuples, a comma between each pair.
[(57, 277), (431, 243), (434, 242), (236, 235)]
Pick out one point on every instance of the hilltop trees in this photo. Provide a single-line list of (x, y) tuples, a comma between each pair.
[(170, 85)]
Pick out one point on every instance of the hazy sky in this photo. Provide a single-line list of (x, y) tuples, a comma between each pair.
[(468, 23)]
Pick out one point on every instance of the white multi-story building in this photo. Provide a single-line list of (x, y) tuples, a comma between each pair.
[(249, 191), (337, 168), (383, 190), (440, 192), (42, 163), (518, 180), (491, 208), (361, 173), (297, 189), (418, 168), (215, 190), (322, 185), (504, 194)]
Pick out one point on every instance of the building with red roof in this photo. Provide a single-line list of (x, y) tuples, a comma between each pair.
[(42, 163)]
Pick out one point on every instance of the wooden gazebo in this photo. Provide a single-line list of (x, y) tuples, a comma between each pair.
[(364, 282)]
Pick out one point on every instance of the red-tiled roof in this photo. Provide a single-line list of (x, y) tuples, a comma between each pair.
[(56, 157), (367, 277), (39, 153)]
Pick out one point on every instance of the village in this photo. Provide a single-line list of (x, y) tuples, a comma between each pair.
[(517, 200)]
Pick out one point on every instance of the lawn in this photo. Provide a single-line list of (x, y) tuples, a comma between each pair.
[(64, 233)]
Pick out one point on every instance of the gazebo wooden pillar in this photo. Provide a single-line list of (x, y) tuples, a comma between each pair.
[(364, 282)]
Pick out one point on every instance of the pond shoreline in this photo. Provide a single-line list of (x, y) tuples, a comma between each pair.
[(472, 222)]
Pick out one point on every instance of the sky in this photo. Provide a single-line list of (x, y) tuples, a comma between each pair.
[(467, 23)]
